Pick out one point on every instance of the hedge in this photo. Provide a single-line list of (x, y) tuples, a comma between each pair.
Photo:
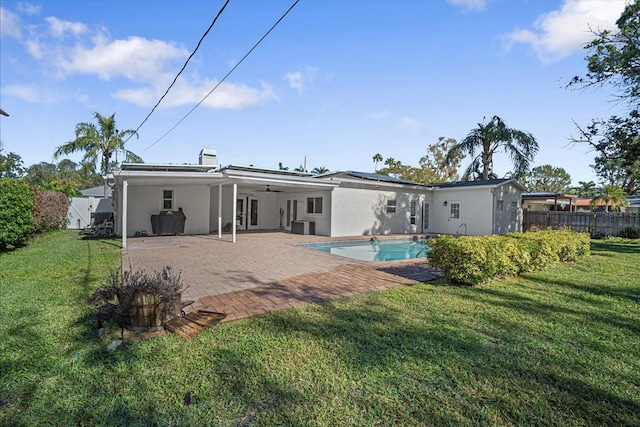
[(50, 210), (475, 259), (16, 219)]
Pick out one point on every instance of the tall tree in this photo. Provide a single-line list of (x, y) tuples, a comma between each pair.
[(377, 158), (99, 142), (10, 165), (612, 196), (614, 57), (547, 178), (613, 60), (483, 142), (434, 168), (616, 144)]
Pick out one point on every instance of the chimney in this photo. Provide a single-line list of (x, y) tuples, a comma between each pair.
[(208, 157)]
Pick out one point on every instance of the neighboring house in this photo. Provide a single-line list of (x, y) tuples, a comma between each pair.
[(334, 204), (584, 205), (634, 204), (543, 201)]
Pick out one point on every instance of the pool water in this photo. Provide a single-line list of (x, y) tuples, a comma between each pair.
[(365, 250)]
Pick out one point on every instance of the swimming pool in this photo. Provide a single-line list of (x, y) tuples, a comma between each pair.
[(366, 250)]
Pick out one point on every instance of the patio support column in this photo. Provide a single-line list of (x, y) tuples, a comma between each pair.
[(233, 218), (125, 185), (219, 211)]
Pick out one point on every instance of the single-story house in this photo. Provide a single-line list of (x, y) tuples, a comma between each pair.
[(548, 201), (228, 199)]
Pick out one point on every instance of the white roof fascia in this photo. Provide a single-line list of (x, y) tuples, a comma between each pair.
[(288, 181), (376, 185), (276, 178)]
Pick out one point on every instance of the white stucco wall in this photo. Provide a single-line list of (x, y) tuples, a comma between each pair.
[(476, 210), (146, 200), (363, 211), (509, 195)]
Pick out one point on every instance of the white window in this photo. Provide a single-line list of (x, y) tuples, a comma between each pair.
[(500, 206), (314, 205), (455, 211), (514, 211), (412, 215), (167, 200), (391, 206)]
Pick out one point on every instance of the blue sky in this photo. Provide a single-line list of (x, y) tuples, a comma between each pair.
[(335, 82)]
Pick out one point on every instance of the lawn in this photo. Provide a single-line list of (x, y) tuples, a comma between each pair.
[(558, 347)]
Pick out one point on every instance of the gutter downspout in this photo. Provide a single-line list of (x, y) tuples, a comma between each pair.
[(219, 211), (233, 217), (125, 186)]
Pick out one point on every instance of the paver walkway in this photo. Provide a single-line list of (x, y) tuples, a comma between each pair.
[(262, 272)]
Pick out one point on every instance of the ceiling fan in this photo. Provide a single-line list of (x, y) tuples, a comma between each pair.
[(269, 190)]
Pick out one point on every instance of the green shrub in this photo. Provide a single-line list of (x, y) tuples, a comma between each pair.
[(476, 259), (630, 233), (50, 209), (16, 207)]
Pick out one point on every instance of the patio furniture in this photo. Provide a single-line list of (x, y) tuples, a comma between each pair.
[(168, 222)]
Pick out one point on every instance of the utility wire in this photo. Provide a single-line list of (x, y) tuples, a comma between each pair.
[(182, 69), (225, 77)]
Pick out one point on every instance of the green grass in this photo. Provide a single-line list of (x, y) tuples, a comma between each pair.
[(558, 347)]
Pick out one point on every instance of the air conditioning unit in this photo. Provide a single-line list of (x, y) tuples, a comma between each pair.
[(208, 157)]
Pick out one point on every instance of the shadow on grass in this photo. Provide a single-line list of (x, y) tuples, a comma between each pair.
[(372, 336), (621, 248)]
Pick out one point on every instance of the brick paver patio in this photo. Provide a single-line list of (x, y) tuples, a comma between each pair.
[(262, 272)]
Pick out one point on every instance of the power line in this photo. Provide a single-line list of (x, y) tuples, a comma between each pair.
[(182, 69), (225, 77)]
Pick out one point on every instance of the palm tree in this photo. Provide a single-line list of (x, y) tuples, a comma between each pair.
[(99, 142), (612, 196), (376, 158), (489, 138), (586, 189), (319, 170)]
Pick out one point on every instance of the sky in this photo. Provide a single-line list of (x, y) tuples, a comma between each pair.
[(334, 83)]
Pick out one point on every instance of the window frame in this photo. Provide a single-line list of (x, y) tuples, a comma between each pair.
[(314, 205), (413, 212), (392, 206), (514, 212), (163, 199)]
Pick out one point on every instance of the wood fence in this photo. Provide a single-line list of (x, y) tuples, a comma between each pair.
[(596, 223)]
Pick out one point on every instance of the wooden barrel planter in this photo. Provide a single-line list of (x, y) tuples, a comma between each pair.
[(146, 313)]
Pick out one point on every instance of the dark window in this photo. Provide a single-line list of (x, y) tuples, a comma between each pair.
[(167, 199), (412, 216), (314, 205), (391, 206)]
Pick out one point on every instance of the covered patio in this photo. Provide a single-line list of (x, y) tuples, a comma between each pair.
[(264, 271)]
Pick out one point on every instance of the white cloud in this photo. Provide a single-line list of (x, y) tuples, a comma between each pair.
[(59, 28), (28, 8), (411, 123), (226, 96), (24, 92), (469, 5), (136, 58), (561, 32), (299, 80), (296, 81), (9, 24)]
